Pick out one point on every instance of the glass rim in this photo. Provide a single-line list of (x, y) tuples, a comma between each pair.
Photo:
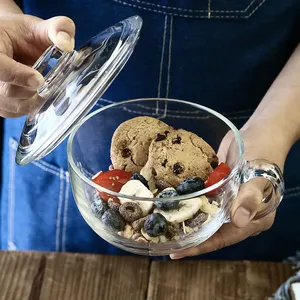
[(197, 194)]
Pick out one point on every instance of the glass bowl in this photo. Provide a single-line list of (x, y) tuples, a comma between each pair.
[(89, 152)]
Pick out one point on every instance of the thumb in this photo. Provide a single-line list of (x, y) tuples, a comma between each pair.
[(58, 30)]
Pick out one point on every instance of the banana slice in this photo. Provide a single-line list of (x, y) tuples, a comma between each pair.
[(210, 209), (137, 189), (141, 240), (162, 239), (207, 220), (128, 231), (149, 238), (147, 174), (186, 210)]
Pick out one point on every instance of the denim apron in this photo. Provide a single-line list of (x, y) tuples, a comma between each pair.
[(220, 53)]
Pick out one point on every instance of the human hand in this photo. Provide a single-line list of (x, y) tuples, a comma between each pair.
[(23, 39), (259, 144)]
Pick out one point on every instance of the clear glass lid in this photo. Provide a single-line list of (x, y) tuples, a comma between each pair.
[(74, 82)]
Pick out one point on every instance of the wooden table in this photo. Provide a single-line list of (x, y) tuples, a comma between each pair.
[(63, 276)]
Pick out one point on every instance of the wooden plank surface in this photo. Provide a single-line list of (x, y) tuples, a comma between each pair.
[(38, 276), (63, 276), (216, 280)]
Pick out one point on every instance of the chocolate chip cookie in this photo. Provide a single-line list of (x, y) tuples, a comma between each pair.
[(180, 155), (131, 141)]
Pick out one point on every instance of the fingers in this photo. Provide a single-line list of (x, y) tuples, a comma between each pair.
[(15, 101), (6, 114), (18, 74), (17, 107), (18, 83), (248, 202), (227, 235), (58, 30), (15, 92)]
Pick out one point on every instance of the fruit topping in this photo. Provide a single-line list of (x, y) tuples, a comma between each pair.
[(155, 225), (187, 209), (219, 173), (113, 220), (112, 180), (137, 189), (128, 232), (167, 205), (137, 176), (190, 185), (210, 209), (149, 238), (99, 207), (168, 192), (116, 175)]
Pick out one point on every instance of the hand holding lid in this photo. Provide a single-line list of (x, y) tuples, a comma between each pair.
[(74, 81)]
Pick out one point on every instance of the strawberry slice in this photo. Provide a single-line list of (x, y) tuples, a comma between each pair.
[(112, 180), (116, 175), (219, 173)]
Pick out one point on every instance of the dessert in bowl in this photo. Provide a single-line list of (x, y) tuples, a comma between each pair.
[(152, 182)]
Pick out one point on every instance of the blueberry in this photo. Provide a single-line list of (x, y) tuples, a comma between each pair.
[(155, 225), (113, 220), (190, 185), (168, 192), (99, 207), (137, 176), (167, 205)]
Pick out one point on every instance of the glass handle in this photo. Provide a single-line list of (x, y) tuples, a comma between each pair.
[(55, 65), (45, 65), (260, 168), (47, 60)]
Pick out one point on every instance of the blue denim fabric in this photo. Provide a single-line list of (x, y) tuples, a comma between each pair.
[(219, 53)]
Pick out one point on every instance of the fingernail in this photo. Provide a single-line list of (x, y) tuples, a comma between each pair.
[(242, 217), (35, 81), (176, 256), (182, 254), (64, 41)]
